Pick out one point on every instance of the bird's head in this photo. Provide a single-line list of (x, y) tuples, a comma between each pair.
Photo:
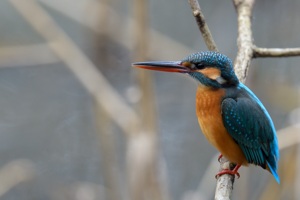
[(209, 68)]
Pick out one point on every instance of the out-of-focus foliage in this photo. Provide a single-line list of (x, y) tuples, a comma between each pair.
[(49, 142)]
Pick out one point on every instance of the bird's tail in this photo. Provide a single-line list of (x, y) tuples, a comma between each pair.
[(273, 171)]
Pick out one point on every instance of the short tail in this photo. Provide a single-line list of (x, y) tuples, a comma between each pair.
[(273, 172)]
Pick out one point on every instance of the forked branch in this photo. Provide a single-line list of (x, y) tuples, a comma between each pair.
[(246, 52)]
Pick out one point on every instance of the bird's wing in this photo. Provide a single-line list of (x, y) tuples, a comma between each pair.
[(250, 128)]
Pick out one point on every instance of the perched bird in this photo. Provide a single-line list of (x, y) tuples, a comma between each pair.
[(231, 117)]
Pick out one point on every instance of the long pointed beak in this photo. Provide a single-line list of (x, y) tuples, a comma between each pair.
[(165, 66)]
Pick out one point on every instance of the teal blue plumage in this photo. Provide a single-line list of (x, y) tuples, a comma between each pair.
[(245, 133), (244, 116), (250, 125)]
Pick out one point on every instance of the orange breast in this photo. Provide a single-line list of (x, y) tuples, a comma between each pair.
[(208, 110)]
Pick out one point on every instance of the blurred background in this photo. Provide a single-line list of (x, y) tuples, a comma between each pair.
[(78, 122)]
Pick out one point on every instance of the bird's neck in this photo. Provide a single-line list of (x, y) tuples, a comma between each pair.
[(208, 99)]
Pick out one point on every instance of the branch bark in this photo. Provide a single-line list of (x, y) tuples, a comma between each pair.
[(275, 52), (208, 39), (244, 40)]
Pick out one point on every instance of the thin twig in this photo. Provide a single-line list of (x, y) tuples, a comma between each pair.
[(208, 39), (275, 52)]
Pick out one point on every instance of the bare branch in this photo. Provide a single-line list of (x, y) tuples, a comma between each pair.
[(275, 52), (208, 39), (244, 41), (225, 182)]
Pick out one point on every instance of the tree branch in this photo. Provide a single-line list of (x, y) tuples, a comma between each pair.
[(208, 39), (244, 40), (246, 51), (275, 52), (225, 182)]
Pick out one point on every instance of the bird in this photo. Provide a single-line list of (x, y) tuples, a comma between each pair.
[(230, 115)]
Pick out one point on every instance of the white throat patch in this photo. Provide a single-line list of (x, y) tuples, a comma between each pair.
[(220, 80)]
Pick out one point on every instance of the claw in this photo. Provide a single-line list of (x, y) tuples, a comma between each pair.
[(228, 171), (219, 158)]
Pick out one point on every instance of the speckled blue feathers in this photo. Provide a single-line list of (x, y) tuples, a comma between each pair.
[(214, 59), (244, 116), (250, 125), (243, 120)]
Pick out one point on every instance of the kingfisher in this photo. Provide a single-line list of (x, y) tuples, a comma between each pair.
[(230, 115)]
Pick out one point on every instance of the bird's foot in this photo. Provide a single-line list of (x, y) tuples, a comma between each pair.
[(228, 171), (219, 158)]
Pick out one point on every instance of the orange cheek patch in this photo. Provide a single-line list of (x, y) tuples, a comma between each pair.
[(211, 72)]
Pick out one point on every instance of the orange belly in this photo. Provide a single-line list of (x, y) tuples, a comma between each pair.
[(208, 110)]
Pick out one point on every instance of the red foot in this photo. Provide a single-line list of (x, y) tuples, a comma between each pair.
[(232, 172), (219, 158)]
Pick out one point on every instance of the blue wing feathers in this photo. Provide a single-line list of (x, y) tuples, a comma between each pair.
[(250, 125), (273, 159), (275, 142)]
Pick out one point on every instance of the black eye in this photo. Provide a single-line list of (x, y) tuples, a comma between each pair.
[(196, 66), (200, 66)]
